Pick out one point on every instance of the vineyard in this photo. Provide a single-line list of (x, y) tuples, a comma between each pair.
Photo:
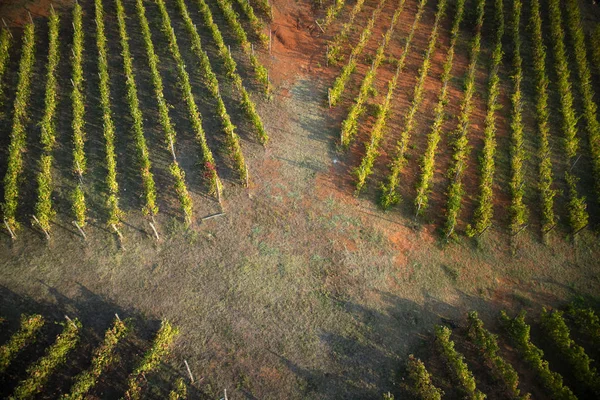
[(472, 362), (316, 194), (27, 382)]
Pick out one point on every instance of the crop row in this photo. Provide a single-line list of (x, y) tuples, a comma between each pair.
[(185, 199), (586, 88), (30, 326), (18, 132), (332, 11), (335, 46), (150, 207), (389, 193), (102, 359), (487, 344), (265, 7), (211, 82), (586, 320), (484, 210), (433, 138), (114, 212), (545, 176), (519, 332), (231, 17), (247, 104), (56, 355), (461, 141), (256, 23), (336, 91), (421, 385), (456, 363), (78, 122), (518, 210), (5, 44), (152, 359), (350, 124), (578, 215)]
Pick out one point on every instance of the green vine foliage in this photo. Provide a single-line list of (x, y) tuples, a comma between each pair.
[(484, 210), (519, 332), (185, 199), (230, 66), (334, 48), (18, 133), (150, 207), (586, 320), (433, 138), (103, 357), (256, 23), (56, 355), (350, 124), (152, 359), (339, 85), (456, 363), (5, 45), (421, 385), (29, 328), (558, 332)]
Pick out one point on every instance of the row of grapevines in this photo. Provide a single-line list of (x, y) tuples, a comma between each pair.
[(78, 122), (457, 364), (586, 320), (434, 136), (484, 210), (230, 65), (30, 325), (56, 355), (461, 141), (487, 343), (163, 111), (210, 79), (265, 7), (350, 124), (18, 134), (421, 385), (595, 47), (335, 46), (152, 359), (180, 390), (256, 24), (586, 88), (5, 43), (518, 210), (150, 208), (578, 216), (43, 206), (231, 17), (389, 189), (363, 171), (547, 192), (518, 331), (114, 212), (335, 93), (332, 11), (103, 357), (558, 332)]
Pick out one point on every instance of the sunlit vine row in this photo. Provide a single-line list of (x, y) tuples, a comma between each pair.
[(210, 79), (256, 23), (461, 141), (18, 133), (29, 327), (578, 215), (408, 126), (433, 138), (114, 212), (5, 44), (484, 210), (335, 46), (421, 385), (336, 91), (78, 122), (247, 104), (163, 112), (150, 207), (350, 124), (332, 11), (231, 17)]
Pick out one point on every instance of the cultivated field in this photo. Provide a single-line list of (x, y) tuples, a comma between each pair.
[(304, 191)]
